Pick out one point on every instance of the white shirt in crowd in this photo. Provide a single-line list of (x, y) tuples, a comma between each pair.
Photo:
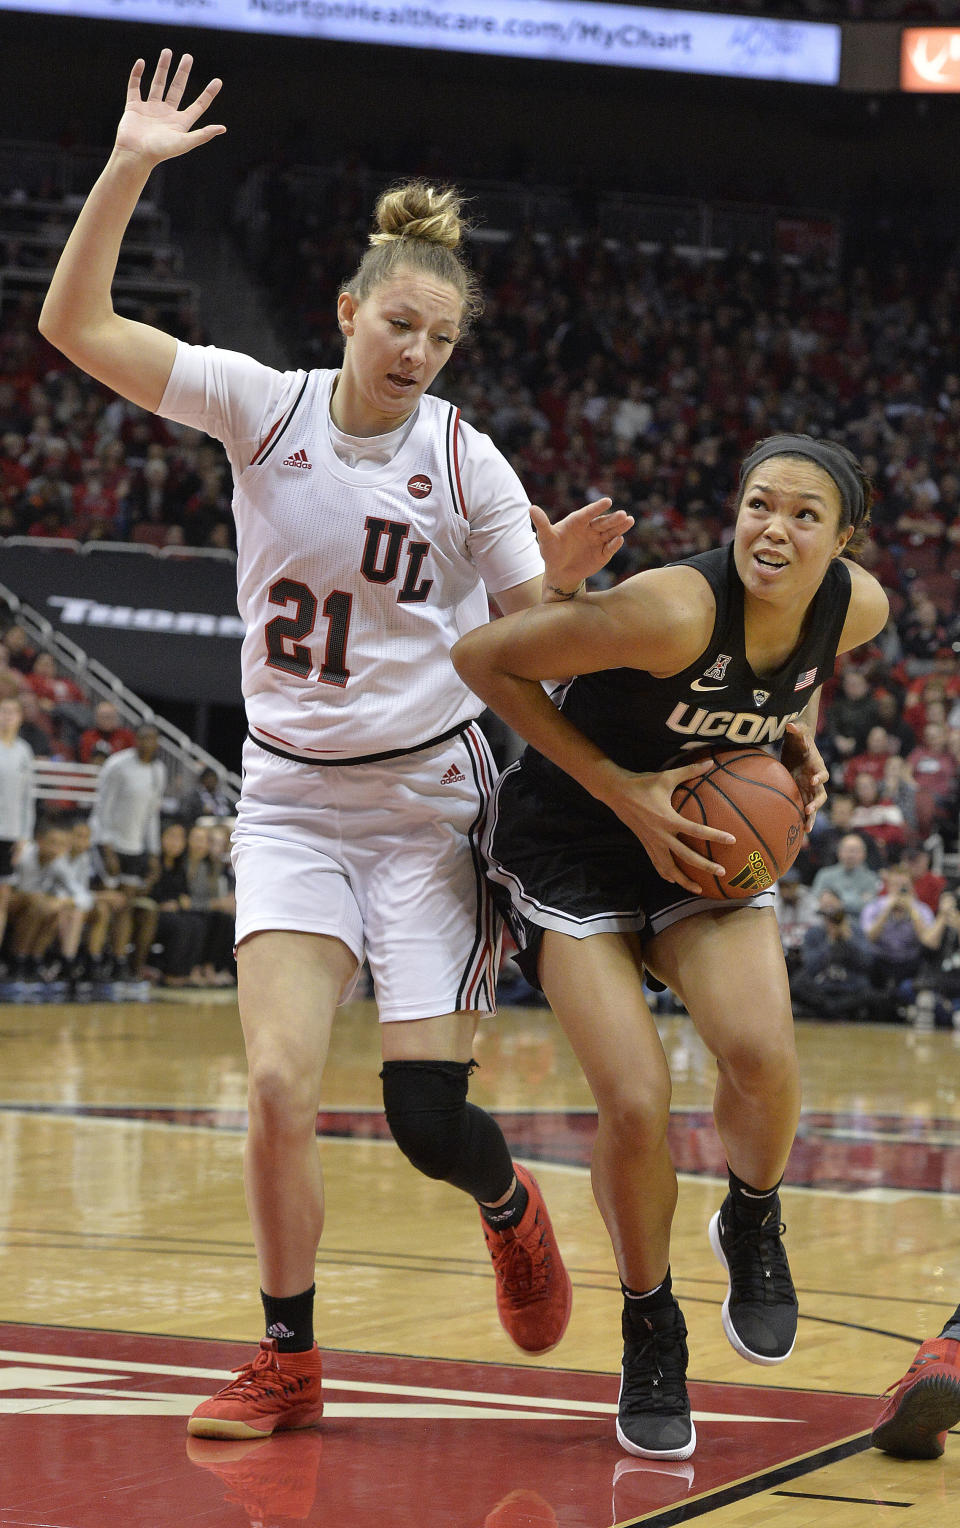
[(35, 876), (126, 812), (17, 798)]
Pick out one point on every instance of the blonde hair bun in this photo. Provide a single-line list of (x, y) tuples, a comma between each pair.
[(417, 210), (419, 226)]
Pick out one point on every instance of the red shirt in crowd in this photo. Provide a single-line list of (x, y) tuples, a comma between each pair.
[(120, 737)]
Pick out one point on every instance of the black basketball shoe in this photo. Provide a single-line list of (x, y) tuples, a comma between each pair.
[(760, 1310), (653, 1415)]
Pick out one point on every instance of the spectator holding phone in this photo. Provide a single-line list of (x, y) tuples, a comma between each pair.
[(833, 980), (894, 923)]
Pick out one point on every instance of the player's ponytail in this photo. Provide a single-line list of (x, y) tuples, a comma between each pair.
[(419, 226)]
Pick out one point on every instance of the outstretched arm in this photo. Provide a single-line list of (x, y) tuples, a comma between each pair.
[(78, 316)]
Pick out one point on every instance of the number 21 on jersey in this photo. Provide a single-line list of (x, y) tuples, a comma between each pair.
[(380, 564)]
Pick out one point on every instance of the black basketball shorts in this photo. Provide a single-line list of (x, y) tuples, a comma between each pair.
[(571, 865), (7, 867)]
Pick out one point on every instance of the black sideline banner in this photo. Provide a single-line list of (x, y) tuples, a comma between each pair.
[(167, 627)]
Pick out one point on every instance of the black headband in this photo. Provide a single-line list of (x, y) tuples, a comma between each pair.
[(826, 455)]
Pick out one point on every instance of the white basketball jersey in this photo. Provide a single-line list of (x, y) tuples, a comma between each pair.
[(353, 583)]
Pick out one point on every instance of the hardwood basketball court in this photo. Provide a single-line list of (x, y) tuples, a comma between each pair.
[(128, 1287)]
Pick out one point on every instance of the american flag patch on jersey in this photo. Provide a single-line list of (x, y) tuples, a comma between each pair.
[(806, 679)]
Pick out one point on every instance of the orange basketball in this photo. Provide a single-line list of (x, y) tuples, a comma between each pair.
[(749, 793)]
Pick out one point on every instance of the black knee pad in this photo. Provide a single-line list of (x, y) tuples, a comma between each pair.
[(439, 1132)]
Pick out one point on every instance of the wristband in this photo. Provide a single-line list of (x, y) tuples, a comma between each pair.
[(565, 594)]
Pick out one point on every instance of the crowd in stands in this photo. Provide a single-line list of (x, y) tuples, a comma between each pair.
[(868, 915), (76, 466), (103, 904), (74, 931), (598, 369), (603, 369)]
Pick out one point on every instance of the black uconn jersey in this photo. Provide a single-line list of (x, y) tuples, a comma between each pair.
[(645, 723)]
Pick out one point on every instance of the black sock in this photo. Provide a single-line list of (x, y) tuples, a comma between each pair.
[(952, 1328), (289, 1320), (508, 1214), (752, 1206), (637, 1305)]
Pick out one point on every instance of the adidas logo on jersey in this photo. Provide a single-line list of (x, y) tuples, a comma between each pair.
[(453, 776), (299, 459)]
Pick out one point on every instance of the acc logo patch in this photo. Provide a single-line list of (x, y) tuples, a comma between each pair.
[(419, 486)]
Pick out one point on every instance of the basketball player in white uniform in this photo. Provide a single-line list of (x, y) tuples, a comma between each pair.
[(371, 524)]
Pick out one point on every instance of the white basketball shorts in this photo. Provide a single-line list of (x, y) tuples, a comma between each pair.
[(383, 856)]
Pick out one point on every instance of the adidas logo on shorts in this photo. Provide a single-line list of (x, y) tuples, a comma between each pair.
[(453, 776)]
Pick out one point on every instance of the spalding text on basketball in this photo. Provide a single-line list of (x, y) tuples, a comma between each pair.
[(754, 874)]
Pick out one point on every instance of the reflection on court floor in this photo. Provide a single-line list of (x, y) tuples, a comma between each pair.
[(92, 1419)]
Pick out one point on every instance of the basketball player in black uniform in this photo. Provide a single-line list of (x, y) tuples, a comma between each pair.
[(728, 648)]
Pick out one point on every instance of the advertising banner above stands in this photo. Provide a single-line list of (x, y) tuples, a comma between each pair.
[(564, 31), (167, 627), (930, 59)]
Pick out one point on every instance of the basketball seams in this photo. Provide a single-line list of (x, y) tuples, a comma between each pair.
[(742, 753), (738, 805), (692, 796), (762, 785), (689, 792), (701, 847), (721, 766), (748, 823), (725, 766)]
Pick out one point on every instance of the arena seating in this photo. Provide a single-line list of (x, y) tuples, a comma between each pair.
[(631, 345)]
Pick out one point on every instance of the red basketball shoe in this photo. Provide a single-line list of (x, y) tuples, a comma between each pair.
[(271, 1479), (275, 1392), (924, 1404), (534, 1295)]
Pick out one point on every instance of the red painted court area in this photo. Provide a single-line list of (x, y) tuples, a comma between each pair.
[(94, 1434)]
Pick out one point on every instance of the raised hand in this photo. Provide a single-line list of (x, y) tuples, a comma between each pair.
[(580, 544), (158, 127)]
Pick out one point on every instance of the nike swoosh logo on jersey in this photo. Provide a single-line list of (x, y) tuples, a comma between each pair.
[(698, 684)]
